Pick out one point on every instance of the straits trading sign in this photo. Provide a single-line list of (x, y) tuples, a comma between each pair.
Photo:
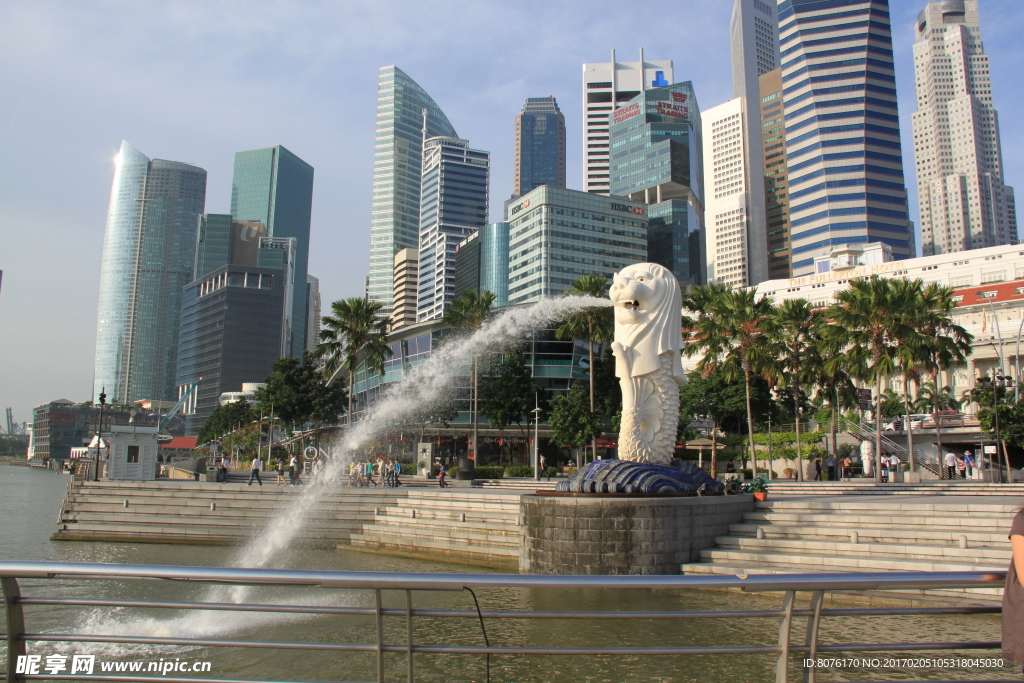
[(845, 274), (626, 112)]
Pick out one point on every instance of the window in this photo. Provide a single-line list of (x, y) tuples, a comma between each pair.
[(133, 454)]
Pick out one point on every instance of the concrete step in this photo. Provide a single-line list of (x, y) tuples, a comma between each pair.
[(842, 563), (891, 550), (497, 535), (886, 533), (886, 519), (451, 545)]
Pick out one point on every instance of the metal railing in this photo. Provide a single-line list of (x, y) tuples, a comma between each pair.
[(817, 585)]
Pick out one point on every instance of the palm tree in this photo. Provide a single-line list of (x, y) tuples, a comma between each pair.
[(592, 324), (796, 349), (355, 329), (468, 312), (870, 322), (734, 329)]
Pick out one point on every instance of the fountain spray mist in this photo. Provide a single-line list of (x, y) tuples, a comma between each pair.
[(421, 386)]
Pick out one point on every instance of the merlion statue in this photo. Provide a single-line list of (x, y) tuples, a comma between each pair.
[(648, 340)]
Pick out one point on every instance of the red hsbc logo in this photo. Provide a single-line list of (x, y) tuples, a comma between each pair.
[(626, 208), (526, 204), (638, 210)]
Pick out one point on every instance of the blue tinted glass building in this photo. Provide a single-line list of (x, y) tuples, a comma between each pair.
[(274, 187), (656, 157), (453, 203), (481, 263), (148, 256), (843, 151), (540, 146), (397, 165)]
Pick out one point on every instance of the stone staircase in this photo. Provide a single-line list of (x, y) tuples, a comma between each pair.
[(462, 525), (866, 487), (868, 534)]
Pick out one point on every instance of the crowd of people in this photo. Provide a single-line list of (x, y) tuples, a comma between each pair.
[(384, 472)]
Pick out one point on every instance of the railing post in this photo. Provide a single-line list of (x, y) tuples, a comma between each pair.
[(782, 667), (380, 637), (408, 623), (811, 639), (15, 624)]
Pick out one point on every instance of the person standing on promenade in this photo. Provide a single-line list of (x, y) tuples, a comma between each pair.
[(292, 463), (398, 471), (844, 467), (817, 468), (969, 462), (225, 467), (441, 483), (1013, 595), (830, 463), (543, 467), (280, 473), (894, 466), (257, 465), (961, 468), (389, 474), (950, 465)]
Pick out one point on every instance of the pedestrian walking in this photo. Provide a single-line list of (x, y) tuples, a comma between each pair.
[(225, 466), (831, 464), (969, 462), (894, 466), (257, 465), (368, 468), (379, 471), (280, 473), (292, 475), (543, 467), (961, 468), (845, 464), (398, 471), (950, 465), (389, 474), (817, 468), (441, 483)]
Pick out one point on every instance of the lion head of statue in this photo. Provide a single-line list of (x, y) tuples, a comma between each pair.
[(648, 317)]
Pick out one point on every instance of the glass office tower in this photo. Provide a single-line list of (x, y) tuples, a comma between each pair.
[(274, 187), (656, 158), (481, 263), (540, 146), (397, 165), (843, 151), (149, 250), (453, 203)]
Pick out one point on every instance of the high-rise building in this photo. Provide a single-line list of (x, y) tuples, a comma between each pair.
[(964, 203), (606, 87), (776, 176), (222, 241), (274, 187), (397, 166), (655, 153), (540, 146), (149, 249), (453, 203), (406, 285), (557, 235), (843, 149), (234, 325), (754, 39), (313, 313), (481, 263), (728, 219)]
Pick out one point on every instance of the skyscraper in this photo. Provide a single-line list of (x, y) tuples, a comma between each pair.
[(453, 203), (481, 263), (843, 149), (403, 311), (655, 152), (964, 203), (540, 146), (754, 34), (729, 226), (274, 187), (149, 248), (776, 175), (606, 87), (397, 165), (312, 313)]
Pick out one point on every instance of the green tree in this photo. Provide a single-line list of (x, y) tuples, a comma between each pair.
[(298, 392), (733, 329), (467, 313), (356, 330), (572, 422), (593, 325), (508, 392), (870, 322), (226, 418), (797, 345), (991, 398)]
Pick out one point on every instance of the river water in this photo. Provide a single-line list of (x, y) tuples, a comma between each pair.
[(30, 500)]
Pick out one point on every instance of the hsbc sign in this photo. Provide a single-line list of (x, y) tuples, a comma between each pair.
[(518, 207), (626, 208)]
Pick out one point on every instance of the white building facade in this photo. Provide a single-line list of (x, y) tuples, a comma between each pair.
[(606, 87), (964, 203), (727, 194)]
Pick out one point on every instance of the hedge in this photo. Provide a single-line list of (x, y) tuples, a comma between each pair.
[(488, 472)]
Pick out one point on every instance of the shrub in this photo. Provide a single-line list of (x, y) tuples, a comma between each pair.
[(519, 471), (488, 472)]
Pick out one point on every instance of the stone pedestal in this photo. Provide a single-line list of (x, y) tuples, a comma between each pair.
[(621, 534)]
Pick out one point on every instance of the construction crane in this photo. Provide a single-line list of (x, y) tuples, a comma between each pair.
[(161, 429), (14, 428)]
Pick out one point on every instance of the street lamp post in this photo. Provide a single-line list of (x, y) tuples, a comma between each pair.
[(536, 437), (999, 381), (99, 434)]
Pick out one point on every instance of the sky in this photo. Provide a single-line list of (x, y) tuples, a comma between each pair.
[(196, 81)]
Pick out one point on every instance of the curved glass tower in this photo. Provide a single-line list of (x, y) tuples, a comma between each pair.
[(148, 255), (395, 223)]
